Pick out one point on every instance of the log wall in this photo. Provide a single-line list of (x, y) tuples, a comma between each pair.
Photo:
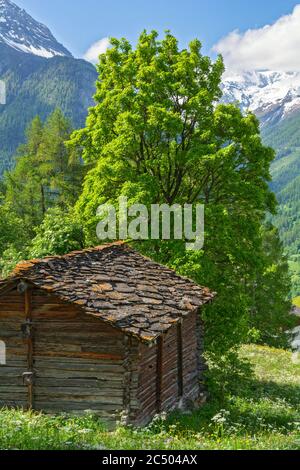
[(170, 390), (79, 360), (81, 363), (181, 369), (191, 350), (12, 391), (147, 385)]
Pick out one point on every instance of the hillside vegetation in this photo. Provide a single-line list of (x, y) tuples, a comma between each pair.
[(262, 412), (285, 138), (37, 86)]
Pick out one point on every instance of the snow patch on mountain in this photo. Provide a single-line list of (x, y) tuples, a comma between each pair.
[(272, 96), (21, 32)]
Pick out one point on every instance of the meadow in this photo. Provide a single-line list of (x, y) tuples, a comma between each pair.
[(259, 412)]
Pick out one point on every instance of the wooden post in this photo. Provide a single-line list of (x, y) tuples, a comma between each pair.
[(28, 315), (127, 379), (180, 359), (159, 383)]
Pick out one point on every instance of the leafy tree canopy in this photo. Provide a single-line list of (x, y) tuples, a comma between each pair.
[(158, 135), (59, 234)]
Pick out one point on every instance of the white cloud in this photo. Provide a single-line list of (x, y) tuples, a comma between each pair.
[(99, 47), (273, 47)]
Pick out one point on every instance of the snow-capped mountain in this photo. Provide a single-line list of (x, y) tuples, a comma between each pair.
[(21, 32), (272, 96), (36, 71)]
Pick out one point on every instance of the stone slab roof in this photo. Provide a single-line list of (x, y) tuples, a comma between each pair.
[(118, 285)]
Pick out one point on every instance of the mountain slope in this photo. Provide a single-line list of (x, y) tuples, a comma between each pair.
[(21, 32), (40, 75), (285, 139), (37, 86), (275, 98), (272, 96)]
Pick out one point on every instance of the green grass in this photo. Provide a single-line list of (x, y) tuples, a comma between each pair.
[(296, 301), (262, 412)]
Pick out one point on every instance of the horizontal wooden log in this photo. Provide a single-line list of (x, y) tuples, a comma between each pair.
[(103, 385), (105, 376), (77, 393), (10, 371), (72, 363), (16, 404), (69, 406), (11, 389), (78, 355)]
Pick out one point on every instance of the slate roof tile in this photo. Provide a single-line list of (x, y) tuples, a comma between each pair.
[(118, 285)]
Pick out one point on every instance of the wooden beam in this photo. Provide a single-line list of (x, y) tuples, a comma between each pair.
[(159, 383), (180, 359), (7, 287), (78, 355), (28, 304), (30, 359), (127, 382)]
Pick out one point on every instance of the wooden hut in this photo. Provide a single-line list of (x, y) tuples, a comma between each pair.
[(105, 330)]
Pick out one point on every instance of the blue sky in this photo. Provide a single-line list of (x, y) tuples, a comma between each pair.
[(80, 23)]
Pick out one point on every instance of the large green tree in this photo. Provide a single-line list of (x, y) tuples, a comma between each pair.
[(158, 134)]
